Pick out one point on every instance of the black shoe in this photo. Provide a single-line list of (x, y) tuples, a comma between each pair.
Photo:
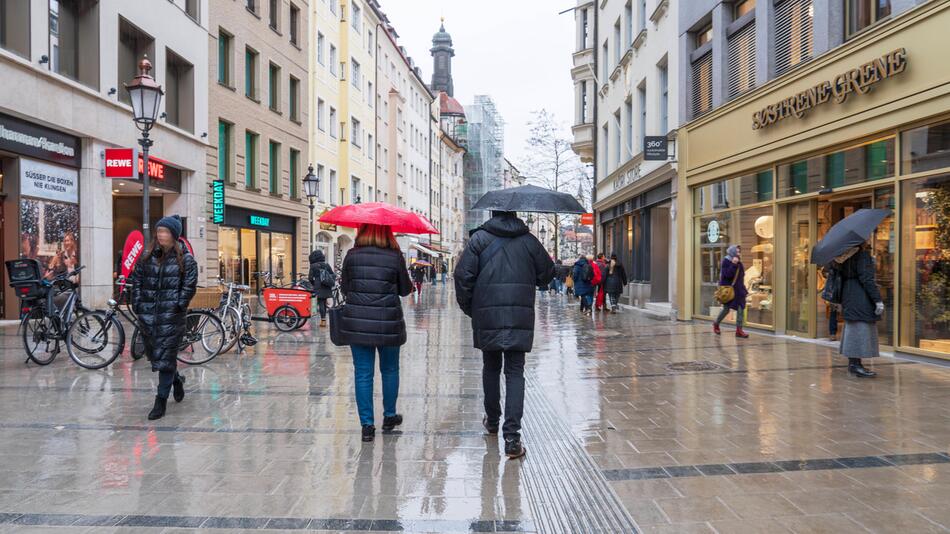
[(391, 422), (514, 448), (158, 411), (369, 433), (491, 428), (178, 388), (859, 371)]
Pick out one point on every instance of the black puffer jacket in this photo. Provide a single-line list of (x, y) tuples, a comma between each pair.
[(500, 299), (859, 293), (161, 292), (373, 280), (318, 262), (614, 283)]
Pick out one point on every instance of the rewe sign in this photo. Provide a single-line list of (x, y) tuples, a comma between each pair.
[(119, 163)]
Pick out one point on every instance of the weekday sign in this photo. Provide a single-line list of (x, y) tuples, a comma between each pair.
[(217, 201)]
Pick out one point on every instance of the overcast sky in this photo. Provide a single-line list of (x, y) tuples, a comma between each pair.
[(517, 51)]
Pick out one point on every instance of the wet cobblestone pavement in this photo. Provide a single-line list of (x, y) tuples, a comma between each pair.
[(773, 436)]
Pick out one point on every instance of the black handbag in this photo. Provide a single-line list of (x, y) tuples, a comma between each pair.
[(834, 281), (337, 335)]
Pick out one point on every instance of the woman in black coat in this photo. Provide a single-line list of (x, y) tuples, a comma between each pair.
[(374, 277), (318, 266), (616, 280), (861, 306), (163, 282)]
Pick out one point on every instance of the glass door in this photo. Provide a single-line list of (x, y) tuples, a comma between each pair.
[(883, 247), (229, 255), (249, 255), (264, 259), (282, 257), (801, 298)]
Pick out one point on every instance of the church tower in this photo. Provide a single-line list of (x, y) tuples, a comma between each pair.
[(442, 53)]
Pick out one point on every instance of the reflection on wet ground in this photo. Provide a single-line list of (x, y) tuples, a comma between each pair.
[(771, 435)]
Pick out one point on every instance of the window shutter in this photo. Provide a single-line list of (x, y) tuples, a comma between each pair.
[(793, 34), (702, 84), (742, 60)]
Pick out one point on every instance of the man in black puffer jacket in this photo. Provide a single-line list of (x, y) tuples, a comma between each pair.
[(318, 266), (495, 284)]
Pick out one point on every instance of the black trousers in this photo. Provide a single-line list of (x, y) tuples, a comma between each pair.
[(322, 306), (165, 381), (513, 363)]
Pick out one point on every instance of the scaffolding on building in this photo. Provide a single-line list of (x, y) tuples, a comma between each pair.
[(485, 156)]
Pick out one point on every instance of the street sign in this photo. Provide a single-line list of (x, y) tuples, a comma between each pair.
[(655, 148), (120, 162), (217, 201), (587, 219)]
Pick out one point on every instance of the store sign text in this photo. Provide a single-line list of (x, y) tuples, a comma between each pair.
[(217, 201), (628, 177), (50, 182), (118, 162), (859, 81), (156, 168), (257, 220)]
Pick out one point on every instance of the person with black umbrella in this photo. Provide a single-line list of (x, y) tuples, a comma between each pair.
[(862, 306)]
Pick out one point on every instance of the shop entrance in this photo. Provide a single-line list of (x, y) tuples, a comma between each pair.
[(808, 222), (246, 253)]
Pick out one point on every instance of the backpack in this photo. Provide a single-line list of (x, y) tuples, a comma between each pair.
[(587, 274), (327, 279), (598, 277), (831, 293)]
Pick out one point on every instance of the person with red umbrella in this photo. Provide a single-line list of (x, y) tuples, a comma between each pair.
[(374, 277)]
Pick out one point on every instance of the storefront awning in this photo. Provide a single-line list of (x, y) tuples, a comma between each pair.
[(426, 250)]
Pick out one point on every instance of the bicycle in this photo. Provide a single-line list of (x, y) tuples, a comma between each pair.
[(46, 324), (235, 315)]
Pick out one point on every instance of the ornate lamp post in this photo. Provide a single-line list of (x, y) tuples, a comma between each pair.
[(146, 95), (311, 187)]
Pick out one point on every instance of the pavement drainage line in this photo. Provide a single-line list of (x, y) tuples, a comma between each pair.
[(557, 461), (264, 523), (733, 371), (211, 430), (249, 392), (777, 466)]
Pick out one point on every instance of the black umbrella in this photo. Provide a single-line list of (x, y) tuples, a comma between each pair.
[(529, 198), (848, 232)]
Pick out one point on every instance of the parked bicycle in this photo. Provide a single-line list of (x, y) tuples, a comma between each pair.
[(235, 315)]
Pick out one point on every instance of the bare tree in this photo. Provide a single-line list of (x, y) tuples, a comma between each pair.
[(551, 163)]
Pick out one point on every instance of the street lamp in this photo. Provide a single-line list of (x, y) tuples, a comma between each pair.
[(146, 96), (543, 233), (311, 185)]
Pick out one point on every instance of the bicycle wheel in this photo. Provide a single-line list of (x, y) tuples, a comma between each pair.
[(286, 318), (203, 338), (93, 340), (232, 323), (39, 337)]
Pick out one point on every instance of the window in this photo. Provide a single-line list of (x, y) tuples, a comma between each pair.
[(355, 191), (321, 115), (585, 31), (250, 74), (321, 44), (618, 46), (628, 19), (294, 96), (333, 124), (742, 7), (370, 95), (333, 188), (356, 132), (734, 192), (926, 148), (664, 100), (370, 44), (741, 59), (323, 186), (273, 87), (294, 25), (15, 27), (333, 60), (250, 159), (584, 99), (356, 16), (179, 91), (704, 35), (293, 173), (642, 103), (863, 13), (642, 15), (74, 39), (191, 8), (225, 58), (133, 45), (224, 151), (863, 163), (274, 15), (273, 167), (628, 126), (355, 78), (616, 140), (702, 84), (332, 7), (793, 34), (370, 147), (604, 62), (251, 6)]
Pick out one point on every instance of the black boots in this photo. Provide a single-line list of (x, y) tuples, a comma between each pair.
[(369, 433), (391, 422), (514, 448), (178, 387), (491, 428), (858, 370), (158, 411)]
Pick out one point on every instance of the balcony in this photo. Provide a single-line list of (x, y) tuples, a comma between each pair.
[(583, 144)]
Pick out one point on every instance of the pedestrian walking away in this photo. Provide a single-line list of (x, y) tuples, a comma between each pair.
[(322, 279), (495, 281), (616, 281), (861, 307), (601, 298), (732, 274), (163, 283), (583, 276), (374, 276), (418, 276)]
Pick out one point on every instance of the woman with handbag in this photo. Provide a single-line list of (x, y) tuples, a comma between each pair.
[(862, 307), (731, 292), (374, 277)]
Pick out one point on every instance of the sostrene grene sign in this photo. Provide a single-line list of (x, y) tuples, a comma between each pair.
[(859, 81)]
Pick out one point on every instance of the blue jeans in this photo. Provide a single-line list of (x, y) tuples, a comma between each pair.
[(364, 359)]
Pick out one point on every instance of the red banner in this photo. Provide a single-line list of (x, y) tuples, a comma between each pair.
[(134, 245), (587, 219)]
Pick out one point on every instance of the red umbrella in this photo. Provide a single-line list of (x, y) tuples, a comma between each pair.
[(401, 221)]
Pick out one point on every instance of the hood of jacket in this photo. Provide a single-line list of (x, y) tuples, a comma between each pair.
[(317, 256), (505, 225), (581, 261)]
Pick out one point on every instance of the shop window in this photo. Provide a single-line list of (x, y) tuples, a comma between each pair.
[(294, 99), (15, 27), (293, 172), (925, 293), (863, 163), (273, 168), (863, 13), (793, 34), (734, 192), (250, 73), (74, 40), (225, 152), (179, 91), (926, 148), (250, 160), (50, 234), (273, 87), (134, 44), (294, 25), (225, 58)]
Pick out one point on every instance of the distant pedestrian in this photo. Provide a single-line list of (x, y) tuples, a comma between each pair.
[(418, 276), (561, 272), (583, 276), (732, 273), (862, 306), (373, 278), (163, 283), (322, 279), (601, 263), (495, 282), (444, 267), (616, 280)]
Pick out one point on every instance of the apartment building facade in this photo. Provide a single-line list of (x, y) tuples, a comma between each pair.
[(801, 113), (63, 102)]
